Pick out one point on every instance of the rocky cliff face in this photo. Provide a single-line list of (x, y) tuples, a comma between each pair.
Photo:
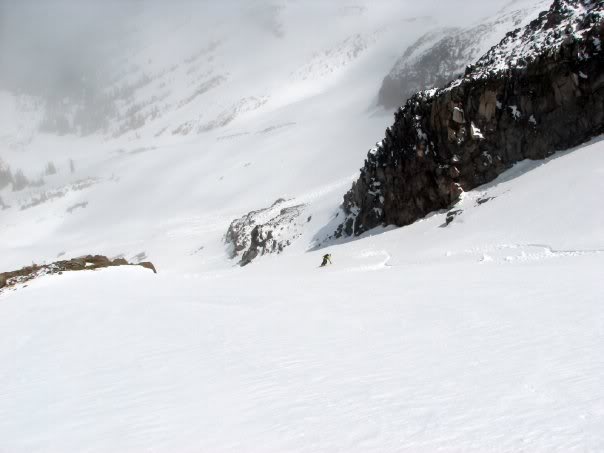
[(538, 91)]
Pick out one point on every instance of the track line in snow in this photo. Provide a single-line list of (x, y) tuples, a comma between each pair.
[(383, 263), (524, 253)]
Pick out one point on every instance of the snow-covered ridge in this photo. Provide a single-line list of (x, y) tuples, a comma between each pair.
[(442, 55), (566, 21), (191, 74)]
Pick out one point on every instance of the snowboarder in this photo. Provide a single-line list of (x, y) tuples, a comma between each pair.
[(326, 259)]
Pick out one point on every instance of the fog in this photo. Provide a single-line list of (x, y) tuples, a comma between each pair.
[(51, 47), (104, 65), (60, 47)]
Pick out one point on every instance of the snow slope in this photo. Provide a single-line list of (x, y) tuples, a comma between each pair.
[(481, 336)]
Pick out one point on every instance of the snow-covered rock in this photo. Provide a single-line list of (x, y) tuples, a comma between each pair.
[(523, 99), (442, 55), (263, 231)]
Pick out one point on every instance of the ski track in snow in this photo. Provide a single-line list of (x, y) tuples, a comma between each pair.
[(526, 253), (387, 362)]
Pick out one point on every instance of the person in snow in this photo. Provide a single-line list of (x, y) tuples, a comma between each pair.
[(326, 259)]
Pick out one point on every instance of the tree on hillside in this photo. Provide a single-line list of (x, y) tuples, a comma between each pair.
[(20, 182), (6, 177), (50, 169)]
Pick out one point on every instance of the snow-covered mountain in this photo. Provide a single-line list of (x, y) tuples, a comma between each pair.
[(202, 73), (442, 55), (211, 139), (194, 113)]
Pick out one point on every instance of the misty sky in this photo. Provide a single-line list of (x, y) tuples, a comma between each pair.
[(49, 44), (52, 46)]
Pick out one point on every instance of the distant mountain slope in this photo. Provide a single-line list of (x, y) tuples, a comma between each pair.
[(186, 71), (442, 55), (198, 120), (541, 89)]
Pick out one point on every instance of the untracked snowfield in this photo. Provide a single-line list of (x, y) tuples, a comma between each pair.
[(486, 335)]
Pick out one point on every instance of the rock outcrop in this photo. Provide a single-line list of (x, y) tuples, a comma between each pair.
[(264, 231), (540, 90), (89, 262)]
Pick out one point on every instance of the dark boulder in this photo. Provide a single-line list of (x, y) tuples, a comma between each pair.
[(148, 265)]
